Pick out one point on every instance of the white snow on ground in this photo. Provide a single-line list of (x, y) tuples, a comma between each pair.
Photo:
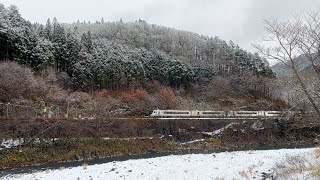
[(8, 143), (258, 125), (194, 141), (220, 131), (226, 165)]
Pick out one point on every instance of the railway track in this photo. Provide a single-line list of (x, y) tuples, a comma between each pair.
[(160, 118), (200, 118)]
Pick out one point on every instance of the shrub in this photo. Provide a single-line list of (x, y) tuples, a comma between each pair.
[(134, 95), (18, 82), (138, 100), (166, 99)]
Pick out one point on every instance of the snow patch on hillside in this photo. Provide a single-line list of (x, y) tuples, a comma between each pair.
[(8, 143), (221, 130)]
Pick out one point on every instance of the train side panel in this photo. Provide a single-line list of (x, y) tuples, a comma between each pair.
[(212, 113), (273, 113), (195, 113), (230, 114), (246, 113), (261, 113), (174, 113)]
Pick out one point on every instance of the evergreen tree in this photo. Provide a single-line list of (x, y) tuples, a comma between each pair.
[(115, 55), (42, 55), (81, 73), (86, 42), (60, 47), (73, 50), (48, 30)]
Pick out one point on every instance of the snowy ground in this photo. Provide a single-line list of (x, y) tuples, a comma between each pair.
[(226, 165), (8, 143)]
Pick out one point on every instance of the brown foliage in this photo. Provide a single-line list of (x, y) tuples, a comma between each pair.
[(103, 94), (137, 100), (166, 98), (18, 83), (134, 95), (57, 95)]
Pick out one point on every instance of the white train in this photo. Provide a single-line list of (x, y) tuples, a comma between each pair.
[(216, 114)]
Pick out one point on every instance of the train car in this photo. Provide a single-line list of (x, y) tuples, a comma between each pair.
[(243, 114), (262, 113), (155, 113), (211, 113), (273, 113), (170, 113)]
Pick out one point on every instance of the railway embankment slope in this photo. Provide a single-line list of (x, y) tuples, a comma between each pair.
[(47, 141)]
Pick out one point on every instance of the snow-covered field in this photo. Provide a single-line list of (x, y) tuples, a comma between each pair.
[(226, 165)]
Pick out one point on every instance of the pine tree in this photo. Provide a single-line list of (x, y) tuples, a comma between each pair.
[(60, 45), (48, 30), (41, 55), (86, 42), (73, 48)]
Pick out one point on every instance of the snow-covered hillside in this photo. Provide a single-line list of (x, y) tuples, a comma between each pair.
[(226, 165)]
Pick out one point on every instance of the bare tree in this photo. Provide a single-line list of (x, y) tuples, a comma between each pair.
[(289, 38), (17, 83)]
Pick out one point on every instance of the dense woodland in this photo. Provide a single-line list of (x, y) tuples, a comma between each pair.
[(128, 61)]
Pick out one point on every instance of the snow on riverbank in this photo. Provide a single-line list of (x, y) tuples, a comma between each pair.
[(226, 165), (8, 143)]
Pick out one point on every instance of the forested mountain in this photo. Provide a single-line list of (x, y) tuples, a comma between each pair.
[(115, 55), (302, 62), (191, 48)]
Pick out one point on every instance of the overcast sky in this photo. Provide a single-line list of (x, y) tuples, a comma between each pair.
[(237, 20)]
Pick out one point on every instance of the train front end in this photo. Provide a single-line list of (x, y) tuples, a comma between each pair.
[(155, 113)]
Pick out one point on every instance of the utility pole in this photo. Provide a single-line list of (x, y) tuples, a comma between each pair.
[(68, 106), (7, 109), (36, 112), (58, 111)]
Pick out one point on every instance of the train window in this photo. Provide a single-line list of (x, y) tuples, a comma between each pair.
[(166, 112), (211, 113), (246, 112)]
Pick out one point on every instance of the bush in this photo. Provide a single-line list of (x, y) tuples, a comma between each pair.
[(18, 83), (166, 98), (138, 100)]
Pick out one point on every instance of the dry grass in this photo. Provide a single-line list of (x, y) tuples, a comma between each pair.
[(214, 142), (218, 178), (85, 166), (316, 171), (47, 170), (317, 152), (244, 174), (61, 168), (297, 167), (292, 166), (247, 174)]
